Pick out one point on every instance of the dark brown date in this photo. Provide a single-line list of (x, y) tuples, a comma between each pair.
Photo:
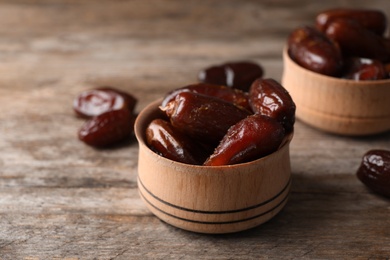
[(387, 69), (232, 95), (108, 128), (238, 74), (355, 40), (364, 69), (268, 97), (170, 143), (386, 43), (202, 117), (374, 171), (96, 101), (314, 51), (373, 20), (251, 138)]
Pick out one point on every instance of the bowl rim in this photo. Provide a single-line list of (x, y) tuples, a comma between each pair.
[(154, 106), (347, 82)]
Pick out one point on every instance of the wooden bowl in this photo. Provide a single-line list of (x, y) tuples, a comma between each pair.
[(340, 106), (207, 199)]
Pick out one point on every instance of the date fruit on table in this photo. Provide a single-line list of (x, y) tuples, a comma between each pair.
[(94, 102), (108, 128), (374, 171), (239, 74)]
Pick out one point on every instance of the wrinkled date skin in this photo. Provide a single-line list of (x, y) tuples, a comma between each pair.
[(355, 40), (202, 117), (364, 69), (374, 171), (108, 128), (372, 20), (96, 101), (170, 143), (238, 75), (314, 51), (251, 138), (232, 95), (268, 97)]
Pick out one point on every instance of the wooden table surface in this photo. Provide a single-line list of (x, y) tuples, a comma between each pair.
[(60, 199)]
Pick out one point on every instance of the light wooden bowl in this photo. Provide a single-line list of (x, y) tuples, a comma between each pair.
[(335, 105), (208, 199)]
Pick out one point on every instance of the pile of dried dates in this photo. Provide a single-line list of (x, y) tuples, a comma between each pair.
[(109, 113), (345, 43), (213, 125)]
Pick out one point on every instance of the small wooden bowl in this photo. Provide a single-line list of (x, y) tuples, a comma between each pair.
[(340, 106), (208, 199)]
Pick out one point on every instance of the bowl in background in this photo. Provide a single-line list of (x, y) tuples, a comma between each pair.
[(335, 105)]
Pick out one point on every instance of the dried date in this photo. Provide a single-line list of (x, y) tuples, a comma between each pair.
[(171, 143), (355, 40), (268, 97), (373, 20), (97, 101), (387, 69), (232, 95), (314, 51), (108, 128), (238, 74), (374, 171), (251, 138), (202, 117), (364, 69)]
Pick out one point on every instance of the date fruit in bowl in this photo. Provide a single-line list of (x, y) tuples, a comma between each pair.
[(210, 199), (337, 72)]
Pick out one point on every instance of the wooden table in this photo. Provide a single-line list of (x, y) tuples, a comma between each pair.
[(60, 199)]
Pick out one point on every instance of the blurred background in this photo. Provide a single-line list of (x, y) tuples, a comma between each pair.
[(60, 199)]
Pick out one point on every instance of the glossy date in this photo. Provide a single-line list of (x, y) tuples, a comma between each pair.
[(171, 143), (374, 171), (97, 101), (107, 128), (355, 40), (268, 97), (314, 51), (238, 74), (364, 69), (251, 138), (232, 95), (202, 117), (373, 20)]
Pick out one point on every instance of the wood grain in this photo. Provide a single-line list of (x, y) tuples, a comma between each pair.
[(60, 199)]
